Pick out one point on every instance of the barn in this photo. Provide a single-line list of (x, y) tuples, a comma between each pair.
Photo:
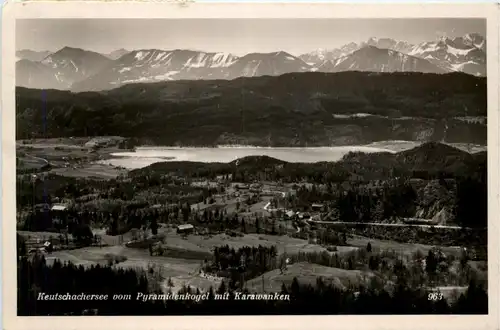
[(185, 229), (318, 207), (59, 214)]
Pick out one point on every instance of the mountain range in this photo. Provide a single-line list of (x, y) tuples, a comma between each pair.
[(465, 54), (82, 70)]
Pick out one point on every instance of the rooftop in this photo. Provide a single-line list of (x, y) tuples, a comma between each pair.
[(186, 226), (59, 207)]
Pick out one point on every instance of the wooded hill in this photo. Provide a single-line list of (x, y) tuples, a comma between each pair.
[(297, 109), (430, 160)]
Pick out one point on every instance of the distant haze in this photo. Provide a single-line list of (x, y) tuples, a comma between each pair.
[(237, 36)]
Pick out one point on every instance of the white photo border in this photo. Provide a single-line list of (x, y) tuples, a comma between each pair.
[(144, 10)]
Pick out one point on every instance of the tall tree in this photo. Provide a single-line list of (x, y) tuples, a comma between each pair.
[(154, 226)]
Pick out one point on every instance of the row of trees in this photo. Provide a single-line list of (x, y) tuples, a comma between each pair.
[(242, 264), (153, 188), (476, 238), (416, 270)]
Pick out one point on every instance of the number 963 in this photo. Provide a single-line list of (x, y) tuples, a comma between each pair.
[(434, 296)]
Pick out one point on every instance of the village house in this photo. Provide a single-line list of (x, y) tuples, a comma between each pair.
[(48, 246), (303, 215), (59, 207), (59, 213), (318, 207), (242, 186), (185, 229)]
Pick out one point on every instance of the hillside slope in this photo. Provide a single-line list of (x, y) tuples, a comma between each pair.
[(299, 109), (307, 273)]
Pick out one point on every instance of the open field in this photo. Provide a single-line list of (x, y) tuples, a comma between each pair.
[(31, 163), (206, 243), (198, 243), (307, 273), (62, 141), (66, 156), (93, 170), (294, 245), (400, 248), (451, 293), (180, 271)]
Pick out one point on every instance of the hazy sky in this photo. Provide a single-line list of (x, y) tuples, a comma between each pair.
[(237, 36)]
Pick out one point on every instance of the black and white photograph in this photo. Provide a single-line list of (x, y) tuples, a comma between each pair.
[(252, 166)]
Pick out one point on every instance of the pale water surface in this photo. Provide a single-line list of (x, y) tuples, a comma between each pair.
[(145, 156)]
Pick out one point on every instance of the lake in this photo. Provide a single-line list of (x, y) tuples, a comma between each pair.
[(145, 156)]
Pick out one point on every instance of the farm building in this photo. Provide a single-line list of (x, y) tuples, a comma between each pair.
[(318, 207), (303, 215), (47, 246), (185, 229), (59, 214), (59, 207), (255, 187)]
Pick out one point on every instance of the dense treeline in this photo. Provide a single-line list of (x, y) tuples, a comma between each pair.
[(36, 277), (265, 110), (434, 236), (462, 201), (155, 189), (242, 264)]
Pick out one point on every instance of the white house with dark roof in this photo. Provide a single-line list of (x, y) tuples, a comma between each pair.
[(185, 228)]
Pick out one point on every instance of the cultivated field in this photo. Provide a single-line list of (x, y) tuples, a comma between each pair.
[(92, 171), (180, 271), (307, 273), (206, 243), (67, 157), (400, 248)]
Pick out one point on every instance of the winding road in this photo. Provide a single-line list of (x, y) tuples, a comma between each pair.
[(385, 224)]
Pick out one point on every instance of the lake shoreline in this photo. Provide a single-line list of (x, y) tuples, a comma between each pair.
[(143, 156)]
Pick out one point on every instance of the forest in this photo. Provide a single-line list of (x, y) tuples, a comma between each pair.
[(264, 111)]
